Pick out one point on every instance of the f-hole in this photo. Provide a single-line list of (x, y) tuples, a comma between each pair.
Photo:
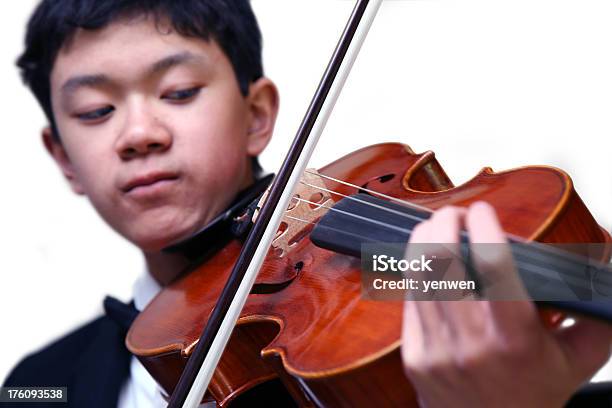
[(381, 179), (269, 288)]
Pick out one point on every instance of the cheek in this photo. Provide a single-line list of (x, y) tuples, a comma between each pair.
[(219, 170), (95, 170), (214, 135), (93, 166), (98, 183)]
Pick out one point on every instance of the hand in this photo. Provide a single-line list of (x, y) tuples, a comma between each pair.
[(492, 353)]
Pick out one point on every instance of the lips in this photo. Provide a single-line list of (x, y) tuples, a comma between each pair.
[(148, 180)]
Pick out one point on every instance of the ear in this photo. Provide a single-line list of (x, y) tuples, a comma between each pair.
[(262, 103), (57, 151)]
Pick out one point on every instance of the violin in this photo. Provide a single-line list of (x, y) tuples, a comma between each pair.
[(306, 320), (286, 301)]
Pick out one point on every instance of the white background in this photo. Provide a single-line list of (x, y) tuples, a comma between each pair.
[(480, 82)]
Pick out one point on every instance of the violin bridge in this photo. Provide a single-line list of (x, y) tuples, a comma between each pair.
[(310, 201)]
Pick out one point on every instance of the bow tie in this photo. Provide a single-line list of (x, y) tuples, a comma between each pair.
[(119, 312)]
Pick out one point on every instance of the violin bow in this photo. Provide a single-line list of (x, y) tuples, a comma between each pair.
[(202, 363)]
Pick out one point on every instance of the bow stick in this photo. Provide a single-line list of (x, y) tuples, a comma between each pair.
[(200, 367)]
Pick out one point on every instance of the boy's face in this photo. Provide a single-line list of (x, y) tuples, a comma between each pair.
[(154, 129)]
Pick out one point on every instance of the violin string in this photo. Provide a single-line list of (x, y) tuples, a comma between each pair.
[(409, 216), (563, 256), (518, 251), (573, 282), (530, 267), (390, 198), (367, 190), (536, 245), (360, 217), (565, 269), (383, 208), (300, 220)]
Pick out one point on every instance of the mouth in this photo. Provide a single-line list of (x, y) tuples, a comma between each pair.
[(149, 182)]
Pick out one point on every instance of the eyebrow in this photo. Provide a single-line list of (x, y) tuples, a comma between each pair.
[(173, 60), (80, 81), (163, 64)]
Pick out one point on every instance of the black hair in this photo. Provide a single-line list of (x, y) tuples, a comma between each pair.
[(231, 23)]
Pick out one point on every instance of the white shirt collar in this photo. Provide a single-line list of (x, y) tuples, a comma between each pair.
[(140, 389), (145, 289)]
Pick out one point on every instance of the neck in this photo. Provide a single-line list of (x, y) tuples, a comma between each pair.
[(165, 267)]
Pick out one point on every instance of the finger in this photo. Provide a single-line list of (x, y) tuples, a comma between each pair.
[(420, 233), (413, 334), (417, 353), (413, 328), (492, 255), (426, 316), (419, 241), (463, 317), (418, 326), (426, 335), (446, 223), (492, 258), (444, 251)]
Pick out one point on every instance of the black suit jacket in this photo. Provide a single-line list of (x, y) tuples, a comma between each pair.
[(92, 362)]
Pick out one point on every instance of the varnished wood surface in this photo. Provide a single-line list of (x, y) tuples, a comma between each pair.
[(343, 350)]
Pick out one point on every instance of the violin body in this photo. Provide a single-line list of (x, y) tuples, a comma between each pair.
[(306, 321)]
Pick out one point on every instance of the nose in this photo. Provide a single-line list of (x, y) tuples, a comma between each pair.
[(142, 134)]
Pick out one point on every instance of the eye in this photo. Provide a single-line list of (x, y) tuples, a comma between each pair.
[(181, 94), (95, 114)]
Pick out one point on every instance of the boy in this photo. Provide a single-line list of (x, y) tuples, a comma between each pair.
[(156, 111)]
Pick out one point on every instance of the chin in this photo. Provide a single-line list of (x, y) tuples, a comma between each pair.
[(155, 241), (154, 231), (161, 230)]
